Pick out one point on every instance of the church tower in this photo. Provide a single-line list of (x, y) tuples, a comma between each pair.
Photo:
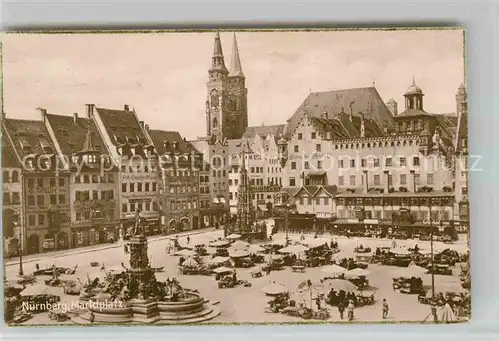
[(226, 105)]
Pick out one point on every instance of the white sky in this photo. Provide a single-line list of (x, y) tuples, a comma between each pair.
[(163, 75)]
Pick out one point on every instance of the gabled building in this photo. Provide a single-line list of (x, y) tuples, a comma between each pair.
[(94, 179), (45, 186), (216, 157), (134, 154), (179, 167), (13, 224)]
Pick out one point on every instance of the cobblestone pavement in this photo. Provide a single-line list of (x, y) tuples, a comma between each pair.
[(247, 304)]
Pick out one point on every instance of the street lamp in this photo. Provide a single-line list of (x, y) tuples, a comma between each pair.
[(287, 207), (21, 271)]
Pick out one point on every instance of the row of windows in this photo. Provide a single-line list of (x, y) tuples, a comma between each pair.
[(376, 180), (204, 203), (180, 173), (41, 182), (85, 195), (326, 201), (218, 174), (138, 169), (376, 162), (204, 178), (138, 187), (235, 182), (10, 177), (219, 186), (183, 189), (36, 219), (182, 205), (143, 206), (94, 179), (273, 169), (319, 165), (387, 214), (94, 214), (296, 148), (40, 200), (205, 189), (14, 199), (256, 169), (313, 136)]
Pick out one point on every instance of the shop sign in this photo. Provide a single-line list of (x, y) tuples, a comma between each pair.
[(371, 221), (48, 244), (46, 190), (323, 215), (139, 177)]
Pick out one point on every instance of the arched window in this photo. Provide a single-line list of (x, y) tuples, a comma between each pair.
[(5, 177), (214, 122), (15, 176), (214, 99)]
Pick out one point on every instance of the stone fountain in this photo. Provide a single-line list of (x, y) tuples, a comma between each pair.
[(136, 296)]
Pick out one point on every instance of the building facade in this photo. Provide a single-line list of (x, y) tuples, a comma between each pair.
[(12, 210), (45, 186), (94, 181), (134, 154), (216, 156), (179, 167)]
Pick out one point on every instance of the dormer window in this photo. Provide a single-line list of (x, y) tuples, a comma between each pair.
[(166, 144)]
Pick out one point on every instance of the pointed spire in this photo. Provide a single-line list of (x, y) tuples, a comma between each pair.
[(235, 68), (88, 144), (217, 46), (218, 55)]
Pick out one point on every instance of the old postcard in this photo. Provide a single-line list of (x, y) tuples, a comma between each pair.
[(219, 177)]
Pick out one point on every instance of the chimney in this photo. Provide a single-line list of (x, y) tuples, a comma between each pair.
[(365, 181), (413, 185), (126, 107), (350, 110), (43, 113), (89, 109), (146, 127), (75, 118), (385, 128), (324, 115), (392, 105), (362, 126), (142, 124), (386, 181)]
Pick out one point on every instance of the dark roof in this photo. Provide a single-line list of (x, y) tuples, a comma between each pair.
[(159, 138), (263, 131), (312, 190), (29, 137), (462, 130), (364, 100), (123, 125), (71, 135), (413, 112), (9, 158)]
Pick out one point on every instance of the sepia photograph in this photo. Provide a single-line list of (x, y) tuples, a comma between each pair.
[(235, 177)]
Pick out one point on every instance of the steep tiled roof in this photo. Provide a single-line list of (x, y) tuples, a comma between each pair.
[(71, 134), (413, 112), (263, 131), (29, 137), (167, 142), (9, 158), (123, 125), (364, 100)]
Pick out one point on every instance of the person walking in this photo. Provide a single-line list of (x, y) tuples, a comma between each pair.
[(385, 308), (350, 310), (341, 309), (188, 239)]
